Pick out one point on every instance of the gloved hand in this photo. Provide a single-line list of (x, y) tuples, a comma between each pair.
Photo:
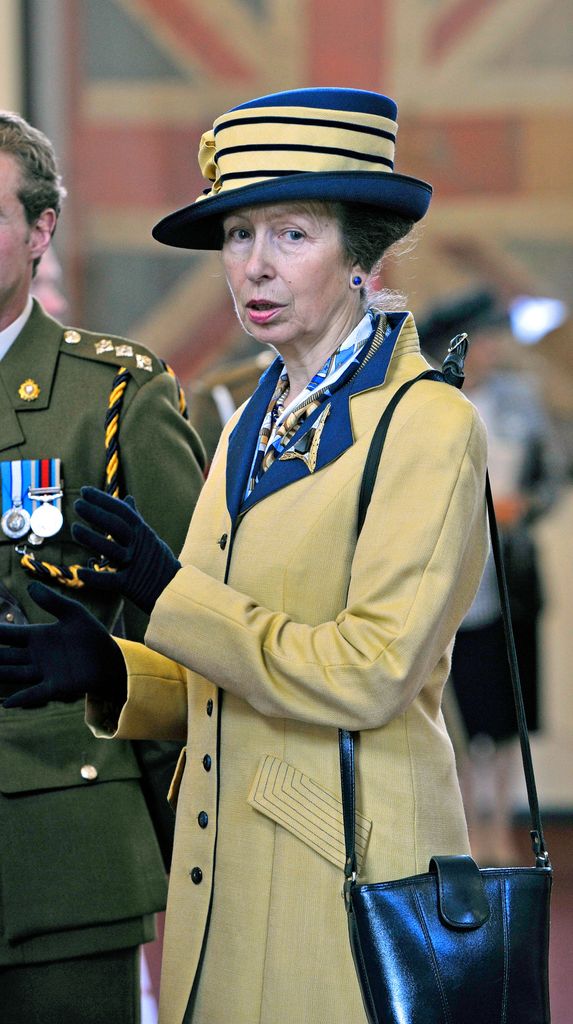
[(64, 659), (144, 563)]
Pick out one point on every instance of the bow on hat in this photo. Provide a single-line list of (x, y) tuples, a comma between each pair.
[(208, 160)]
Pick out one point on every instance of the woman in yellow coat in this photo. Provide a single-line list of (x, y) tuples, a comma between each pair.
[(277, 627)]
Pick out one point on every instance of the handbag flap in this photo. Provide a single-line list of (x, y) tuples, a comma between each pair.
[(305, 808), (461, 898)]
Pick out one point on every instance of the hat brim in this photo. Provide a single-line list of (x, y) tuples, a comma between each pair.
[(198, 226)]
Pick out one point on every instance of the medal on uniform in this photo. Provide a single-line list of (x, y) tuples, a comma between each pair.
[(31, 497), (46, 519), (15, 521)]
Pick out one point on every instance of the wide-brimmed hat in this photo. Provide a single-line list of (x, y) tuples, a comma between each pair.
[(318, 144)]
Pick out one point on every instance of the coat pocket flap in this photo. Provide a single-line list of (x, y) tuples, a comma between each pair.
[(307, 810), (52, 748)]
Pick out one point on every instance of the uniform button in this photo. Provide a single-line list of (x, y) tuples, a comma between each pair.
[(196, 875), (209, 707), (72, 337), (222, 542), (203, 819), (10, 618), (89, 772), (207, 763)]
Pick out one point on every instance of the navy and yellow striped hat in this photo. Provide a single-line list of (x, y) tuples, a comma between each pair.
[(318, 144)]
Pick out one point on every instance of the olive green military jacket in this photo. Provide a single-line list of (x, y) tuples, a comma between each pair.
[(80, 866)]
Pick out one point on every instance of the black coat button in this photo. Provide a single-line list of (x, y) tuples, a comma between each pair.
[(209, 707), (222, 542), (196, 875), (207, 763), (203, 819)]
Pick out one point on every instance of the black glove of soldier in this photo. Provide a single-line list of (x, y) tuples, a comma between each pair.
[(144, 563), (61, 660)]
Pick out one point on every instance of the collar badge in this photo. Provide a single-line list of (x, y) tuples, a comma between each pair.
[(29, 390)]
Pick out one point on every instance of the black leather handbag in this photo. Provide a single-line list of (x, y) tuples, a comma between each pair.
[(459, 944)]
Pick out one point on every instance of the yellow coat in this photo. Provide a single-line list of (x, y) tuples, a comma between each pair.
[(287, 657)]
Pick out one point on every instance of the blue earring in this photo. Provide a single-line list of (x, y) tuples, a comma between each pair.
[(357, 281)]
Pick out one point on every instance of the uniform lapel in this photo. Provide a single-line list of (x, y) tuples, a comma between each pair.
[(32, 357), (335, 429), (10, 431)]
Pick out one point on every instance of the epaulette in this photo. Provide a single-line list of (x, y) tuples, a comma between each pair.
[(139, 361)]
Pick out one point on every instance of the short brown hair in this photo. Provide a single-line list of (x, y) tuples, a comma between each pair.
[(368, 232), (41, 184)]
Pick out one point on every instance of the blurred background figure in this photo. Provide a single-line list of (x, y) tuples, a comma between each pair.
[(539, 339), (47, 284), (214, 398), (525, 472)]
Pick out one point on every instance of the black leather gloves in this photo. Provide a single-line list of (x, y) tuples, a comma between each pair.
[(62, 660), (144, 564)]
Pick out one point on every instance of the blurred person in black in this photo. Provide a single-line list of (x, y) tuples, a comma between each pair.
[(525, 472)]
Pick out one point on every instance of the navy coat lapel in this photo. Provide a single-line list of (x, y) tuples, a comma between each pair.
[(336, 434)]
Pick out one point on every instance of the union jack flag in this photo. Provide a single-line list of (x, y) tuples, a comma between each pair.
[(483, 88)]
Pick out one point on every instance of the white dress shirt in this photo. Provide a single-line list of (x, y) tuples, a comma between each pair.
[(10, 333)]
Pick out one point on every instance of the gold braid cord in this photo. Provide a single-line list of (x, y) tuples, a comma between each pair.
[(114, 405), (68, 575)]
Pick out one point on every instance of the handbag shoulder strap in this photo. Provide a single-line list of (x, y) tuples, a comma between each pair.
[(536, 831), (377, 443), (346, 739)]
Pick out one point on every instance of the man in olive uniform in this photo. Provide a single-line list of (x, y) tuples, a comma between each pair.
[(81, 871)]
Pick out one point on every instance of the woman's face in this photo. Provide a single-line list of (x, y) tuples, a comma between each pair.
[(289, 275)]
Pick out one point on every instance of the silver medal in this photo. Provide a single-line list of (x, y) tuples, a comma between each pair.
[(15, 522), (46, 520)]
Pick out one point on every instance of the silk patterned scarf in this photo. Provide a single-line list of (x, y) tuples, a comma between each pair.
[(281, 421)]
